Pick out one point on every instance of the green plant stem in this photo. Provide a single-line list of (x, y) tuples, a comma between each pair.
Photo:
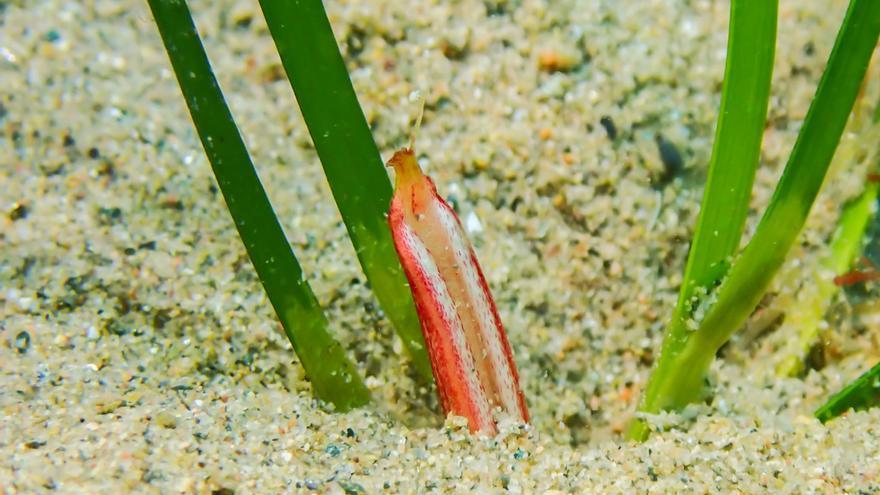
[(801, 179), (348, 154), (735, 155), (858, 395), (737, 147), (680, 373), (334, 378)]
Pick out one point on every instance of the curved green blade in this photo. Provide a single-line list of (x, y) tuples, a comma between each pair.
[(334, 378), (351, 161), (735, 155), (861, 394)]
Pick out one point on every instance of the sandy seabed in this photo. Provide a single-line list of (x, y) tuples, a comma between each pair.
[(138, 352)]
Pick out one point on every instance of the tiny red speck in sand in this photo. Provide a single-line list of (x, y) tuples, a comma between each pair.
[(854, 277)]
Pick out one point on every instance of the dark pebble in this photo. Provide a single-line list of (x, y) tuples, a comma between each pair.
[(173, 204), (516, 202), (22, 342), (94, 153), (809, 48), (19, 211), (109, 215), (149, 245), (349, 433), (673, 164), (161, 318), (129, 251), (355, 41), (244, 22), (609, 126), (35, 444)]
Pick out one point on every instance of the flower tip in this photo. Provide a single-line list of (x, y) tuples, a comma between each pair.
[(405, 166), (401, 158)]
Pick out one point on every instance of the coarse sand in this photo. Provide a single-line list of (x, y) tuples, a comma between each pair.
[(138, 352)]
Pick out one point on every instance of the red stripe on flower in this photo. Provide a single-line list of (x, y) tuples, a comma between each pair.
[(469, 351)]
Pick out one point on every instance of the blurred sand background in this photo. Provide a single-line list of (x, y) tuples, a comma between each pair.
[(139, 353)]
